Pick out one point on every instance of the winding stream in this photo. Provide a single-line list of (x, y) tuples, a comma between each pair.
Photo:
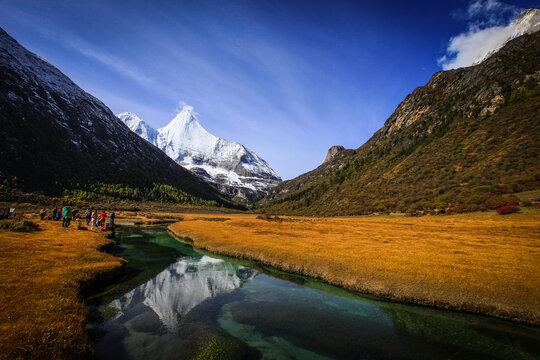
[(177, 302)]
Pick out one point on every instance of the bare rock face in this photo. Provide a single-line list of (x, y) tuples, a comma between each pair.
[(332, 152)]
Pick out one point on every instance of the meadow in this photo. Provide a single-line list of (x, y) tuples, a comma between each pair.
[(43, 278), (481, 262)]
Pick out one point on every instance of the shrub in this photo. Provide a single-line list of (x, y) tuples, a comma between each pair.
[(20, 225), (476, 199), (495, 202), (411, 212), (268, 217), (462, 208), (508, 209), (511, 200)]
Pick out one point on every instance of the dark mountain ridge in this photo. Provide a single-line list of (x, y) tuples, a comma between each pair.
[(467, 133), (56, 138)]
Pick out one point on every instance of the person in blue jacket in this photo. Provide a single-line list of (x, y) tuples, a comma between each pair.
[(111, 217)]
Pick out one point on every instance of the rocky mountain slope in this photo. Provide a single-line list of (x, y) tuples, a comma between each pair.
[(227, 165), (467, 134), (55, 139)]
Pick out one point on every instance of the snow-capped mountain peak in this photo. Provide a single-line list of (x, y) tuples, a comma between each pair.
[(185, 136), (184, 117), (228, 165)]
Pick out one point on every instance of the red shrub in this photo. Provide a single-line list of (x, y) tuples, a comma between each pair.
[(495, 202), (462, 208), (511, 200), (508, 209)]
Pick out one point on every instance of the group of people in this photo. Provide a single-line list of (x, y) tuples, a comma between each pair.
[(96, 219), (67, 214)]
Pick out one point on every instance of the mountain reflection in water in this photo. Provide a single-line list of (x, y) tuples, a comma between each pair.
[(183, 286)]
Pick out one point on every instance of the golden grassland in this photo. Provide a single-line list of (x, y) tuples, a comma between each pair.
[(42, 275), (481, 262)]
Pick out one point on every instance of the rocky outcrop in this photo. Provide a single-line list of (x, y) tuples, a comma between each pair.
[(332, 152)]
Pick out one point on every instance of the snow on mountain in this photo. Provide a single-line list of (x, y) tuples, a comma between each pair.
[(139, 127), (228, 165), (478, 44), (527, 23)]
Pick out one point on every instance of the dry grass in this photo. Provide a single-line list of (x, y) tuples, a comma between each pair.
[(41, 278), (481, 262)]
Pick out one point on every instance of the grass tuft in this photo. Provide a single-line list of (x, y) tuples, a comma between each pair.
[(19, 224)]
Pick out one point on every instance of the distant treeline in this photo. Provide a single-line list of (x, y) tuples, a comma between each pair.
[(112, 192), (157, 192)]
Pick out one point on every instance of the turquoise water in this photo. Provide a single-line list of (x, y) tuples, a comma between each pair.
[(177, 302)]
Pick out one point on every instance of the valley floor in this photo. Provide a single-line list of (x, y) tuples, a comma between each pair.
[(480, 262), (42, 277)]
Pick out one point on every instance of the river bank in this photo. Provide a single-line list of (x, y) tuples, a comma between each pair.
[(480, 263), (43, 278)]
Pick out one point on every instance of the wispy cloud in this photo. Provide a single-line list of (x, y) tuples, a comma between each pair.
[(490, 13), (491, 23), (117, 64), (62, 36)]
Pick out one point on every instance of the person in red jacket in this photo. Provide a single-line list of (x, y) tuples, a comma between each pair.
[(102, 218)]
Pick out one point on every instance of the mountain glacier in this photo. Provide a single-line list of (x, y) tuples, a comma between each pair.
[(228, 165)]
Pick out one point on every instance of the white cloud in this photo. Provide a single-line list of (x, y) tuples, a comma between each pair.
[(491, 24), (469, 48)]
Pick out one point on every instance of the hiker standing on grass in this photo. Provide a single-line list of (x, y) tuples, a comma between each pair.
[(87, 215), (94, 218), (111, 217), (42, 214), (67, 214), (64, 213), (54, 211), (102, 218)]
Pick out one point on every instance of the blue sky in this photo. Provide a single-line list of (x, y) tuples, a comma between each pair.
[(288, 79)]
